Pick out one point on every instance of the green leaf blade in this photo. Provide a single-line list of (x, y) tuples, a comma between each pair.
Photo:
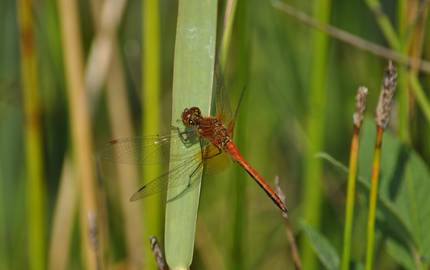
[(322, 247), (192, 86)]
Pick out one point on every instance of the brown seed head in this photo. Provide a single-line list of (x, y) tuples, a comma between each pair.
[(360, 106), (383, 110)]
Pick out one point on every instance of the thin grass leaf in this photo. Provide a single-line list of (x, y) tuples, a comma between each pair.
[(35, 192), (316, 101), (322, 247)]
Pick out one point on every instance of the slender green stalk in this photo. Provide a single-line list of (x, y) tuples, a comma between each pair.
[(4, 258), (372, 199), (350, 197), (192, 86), (382, 118), (384, 24), (33, 141), (151, 115), (420, 96), (403, 99), (230, 11), (80, 131), (315, 130), (415, 48), (352, 176), (237, 256)]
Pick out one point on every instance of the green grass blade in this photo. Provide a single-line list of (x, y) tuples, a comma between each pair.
[(33, 140), (315, 129), (192, 86), (151, 116), (322, 247)]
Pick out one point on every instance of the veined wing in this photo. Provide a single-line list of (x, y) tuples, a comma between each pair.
[(149, 149), (222, 100), (184, 174)]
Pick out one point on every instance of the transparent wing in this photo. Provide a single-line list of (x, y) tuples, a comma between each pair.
[(222, 100), (223, 106), (149, 149), (191, 169)]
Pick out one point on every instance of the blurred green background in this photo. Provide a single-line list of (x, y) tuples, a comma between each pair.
[(299, 100)]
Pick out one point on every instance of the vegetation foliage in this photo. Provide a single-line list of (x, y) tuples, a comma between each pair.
[(76, 74)]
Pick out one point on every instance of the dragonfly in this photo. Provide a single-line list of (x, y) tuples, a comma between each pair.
[(203, 139)]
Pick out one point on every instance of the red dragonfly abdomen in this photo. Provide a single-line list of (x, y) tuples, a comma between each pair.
[(231, 148)]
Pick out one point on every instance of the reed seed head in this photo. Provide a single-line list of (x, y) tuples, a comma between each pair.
[(360, 106), (383, 110)]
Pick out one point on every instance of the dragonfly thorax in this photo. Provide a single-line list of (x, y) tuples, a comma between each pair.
[(211, 128)]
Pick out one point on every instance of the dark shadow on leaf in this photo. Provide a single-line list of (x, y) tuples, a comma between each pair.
[(398, 173)]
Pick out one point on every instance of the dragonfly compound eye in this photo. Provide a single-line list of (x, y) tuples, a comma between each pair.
[(196, 111)]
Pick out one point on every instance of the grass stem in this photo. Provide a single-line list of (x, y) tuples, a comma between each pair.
[(120, 119), (151, 115), (315, 130), (352, 177), (33, 139), (80, 130), (373, 199), (382, 118), (384, 24), (64, 219)]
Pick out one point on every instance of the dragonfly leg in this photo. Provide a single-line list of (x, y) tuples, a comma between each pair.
[(184, 136), (201, 163), (193, 173), (216, 154)]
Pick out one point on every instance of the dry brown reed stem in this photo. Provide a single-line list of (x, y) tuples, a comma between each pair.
[(64, 215), (107, 15), (353, 40), (419, 16), (117, 80), (80, 128), (415, 22), (158, 254), (120, 115), (289, 229)]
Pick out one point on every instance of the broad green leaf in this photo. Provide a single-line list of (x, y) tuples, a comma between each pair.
[(322, 247)]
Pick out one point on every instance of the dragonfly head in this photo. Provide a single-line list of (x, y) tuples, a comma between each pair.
[(191, 117)]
